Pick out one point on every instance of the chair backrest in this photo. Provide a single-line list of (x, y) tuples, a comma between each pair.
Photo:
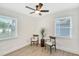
[(36, 37), (52, 39)]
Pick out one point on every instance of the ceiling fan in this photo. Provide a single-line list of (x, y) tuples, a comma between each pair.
[(38, 9)]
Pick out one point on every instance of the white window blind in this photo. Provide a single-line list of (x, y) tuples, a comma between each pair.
[(64, 27)]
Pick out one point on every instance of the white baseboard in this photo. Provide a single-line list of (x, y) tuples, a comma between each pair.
[(69, 50)]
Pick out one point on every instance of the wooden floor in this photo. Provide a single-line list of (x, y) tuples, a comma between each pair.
[(38, 51)]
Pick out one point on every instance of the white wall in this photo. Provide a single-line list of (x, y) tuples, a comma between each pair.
[(67, 44), (26, 26)]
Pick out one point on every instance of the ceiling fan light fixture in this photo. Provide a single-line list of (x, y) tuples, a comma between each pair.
[(37, 12)]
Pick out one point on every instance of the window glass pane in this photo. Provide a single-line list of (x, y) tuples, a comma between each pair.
[(58, 31), (66, 23), (3, 27), (64, 31), (12, 28)]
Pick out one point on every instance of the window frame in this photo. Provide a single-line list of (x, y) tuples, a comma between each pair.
[(70, 18), (12, 18)]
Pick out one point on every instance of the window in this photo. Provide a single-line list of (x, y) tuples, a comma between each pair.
[(7, 27), (63, 27)]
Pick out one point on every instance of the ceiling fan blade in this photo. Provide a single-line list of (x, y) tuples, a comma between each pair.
[(30, 8), (32, 12), (44, 11)]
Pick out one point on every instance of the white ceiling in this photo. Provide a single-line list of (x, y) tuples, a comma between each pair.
[(52, 7)]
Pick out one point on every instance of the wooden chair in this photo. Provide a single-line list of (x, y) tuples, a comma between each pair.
[(51, 43), (35, 39)]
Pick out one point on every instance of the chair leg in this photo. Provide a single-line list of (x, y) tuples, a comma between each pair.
[(31, 43), (55, 48), (50, 49), (37, 43), (45, 46)]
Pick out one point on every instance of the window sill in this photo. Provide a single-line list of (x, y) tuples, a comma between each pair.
[(63, 37), (8, 38)]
